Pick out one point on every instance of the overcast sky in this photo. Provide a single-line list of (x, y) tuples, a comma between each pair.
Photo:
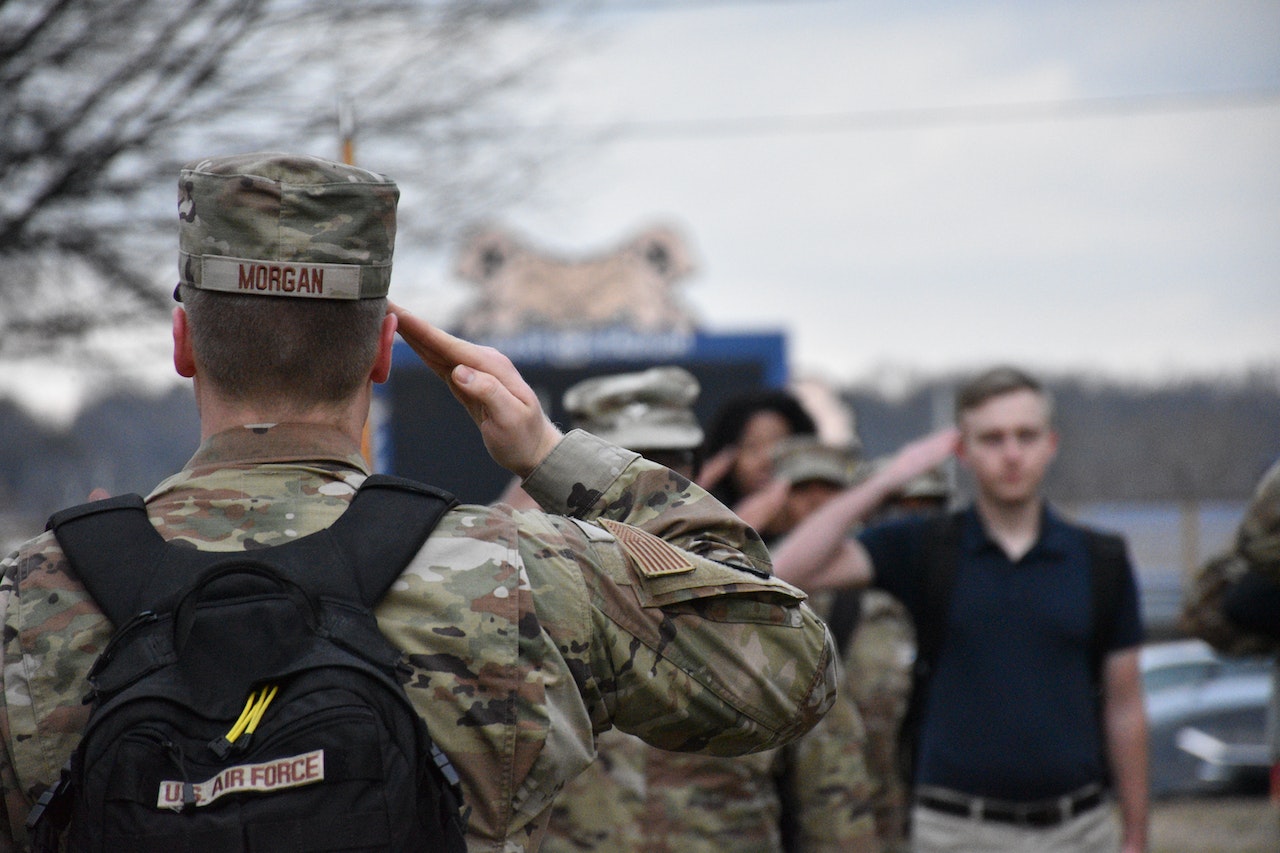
[(920, 187), (931, 185)]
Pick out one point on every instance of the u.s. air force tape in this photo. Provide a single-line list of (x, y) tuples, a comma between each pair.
[(653, 556), (261, 778)]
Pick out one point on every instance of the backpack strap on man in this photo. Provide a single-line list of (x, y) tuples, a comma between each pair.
[(941, 544), (387, 522), (114, 549), (941, 559), (128, 567), (1107, 564)]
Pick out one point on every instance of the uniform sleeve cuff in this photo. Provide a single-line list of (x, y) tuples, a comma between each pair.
[(577, 474)]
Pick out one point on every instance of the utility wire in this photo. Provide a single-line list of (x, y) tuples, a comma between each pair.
[(743, 127), (629, 6)]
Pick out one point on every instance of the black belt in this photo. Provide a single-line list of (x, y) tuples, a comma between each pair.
[(1040, 813)]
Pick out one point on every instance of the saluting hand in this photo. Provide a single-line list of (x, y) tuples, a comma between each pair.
[(717, 467), (923, 454), (516, 432)]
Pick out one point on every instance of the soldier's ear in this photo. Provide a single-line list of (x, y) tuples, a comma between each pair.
[(184, 359), (386, 342)]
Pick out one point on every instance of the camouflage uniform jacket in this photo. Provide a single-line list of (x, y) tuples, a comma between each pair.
[(1258, 539), (527, 633), (639, 799), (1257, 547)]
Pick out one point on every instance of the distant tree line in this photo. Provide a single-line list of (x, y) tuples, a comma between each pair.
[(125, 442), (1192, 441)]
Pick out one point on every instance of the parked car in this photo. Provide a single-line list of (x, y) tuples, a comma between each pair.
[(1207, 715)]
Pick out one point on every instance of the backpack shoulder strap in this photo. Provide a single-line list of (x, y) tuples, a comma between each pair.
[(1107, 565), (387, 522), (941, 558), (114, 550), (117, 552)]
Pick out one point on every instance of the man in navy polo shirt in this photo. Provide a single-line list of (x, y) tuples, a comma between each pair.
[(1015, 749)]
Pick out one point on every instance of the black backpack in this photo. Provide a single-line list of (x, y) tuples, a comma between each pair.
[(247, 700)]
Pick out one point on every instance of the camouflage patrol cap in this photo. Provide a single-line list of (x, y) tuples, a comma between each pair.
[(285, 225), (803, 458), (650, 410), (931, 484)]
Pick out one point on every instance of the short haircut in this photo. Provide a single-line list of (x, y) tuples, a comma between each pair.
[(997, 382), (305, 352)]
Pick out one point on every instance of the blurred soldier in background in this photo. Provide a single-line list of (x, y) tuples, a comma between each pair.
[(871, 628), (813, 472), (1234, 602), (877, 644), (928, 494), (810, 797)]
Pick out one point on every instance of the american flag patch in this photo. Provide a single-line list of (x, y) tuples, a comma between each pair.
[(653, 556)]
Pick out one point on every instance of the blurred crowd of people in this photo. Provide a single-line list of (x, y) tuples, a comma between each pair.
[(969, 737), (991, 698)]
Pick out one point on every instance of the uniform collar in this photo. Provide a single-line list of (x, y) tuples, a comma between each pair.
[(260, 444)]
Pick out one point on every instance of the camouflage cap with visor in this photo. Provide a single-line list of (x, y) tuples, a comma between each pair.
[(285, 225), (648, 410), (806, 458)]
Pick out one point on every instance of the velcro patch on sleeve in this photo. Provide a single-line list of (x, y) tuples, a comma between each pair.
[(263, 778), (653, 556)]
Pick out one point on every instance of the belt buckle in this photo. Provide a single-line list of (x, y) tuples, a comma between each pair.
[(977, 808), (1067, 807), (1064, 809), (1042, 816)]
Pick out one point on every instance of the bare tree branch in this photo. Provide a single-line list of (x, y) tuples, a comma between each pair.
[(100, 100)]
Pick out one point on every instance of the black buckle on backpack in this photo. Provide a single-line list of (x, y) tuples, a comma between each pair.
[(51, 813)]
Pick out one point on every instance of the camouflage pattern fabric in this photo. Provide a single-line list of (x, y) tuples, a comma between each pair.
[(277, 221), (643, 800), (1258, 539), (1202, 611), (829, 787), (1257, 547), (527, 633), (878, 663), (645, 411)]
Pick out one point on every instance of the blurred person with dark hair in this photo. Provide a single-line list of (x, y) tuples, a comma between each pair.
[(738, 453)]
